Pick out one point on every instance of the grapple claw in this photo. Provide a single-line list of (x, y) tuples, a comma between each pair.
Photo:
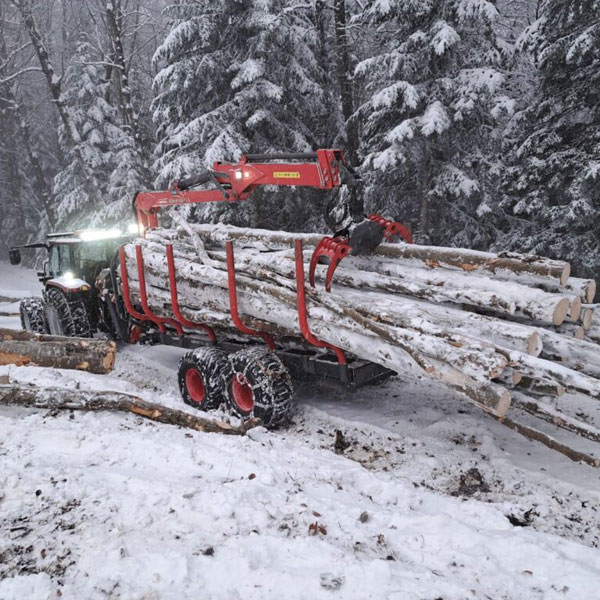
[(335, 249), (392, 229)]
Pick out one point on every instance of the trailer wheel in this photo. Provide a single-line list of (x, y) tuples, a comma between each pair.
[(261, 386), (203, 377), (65, 316), (33, 315)]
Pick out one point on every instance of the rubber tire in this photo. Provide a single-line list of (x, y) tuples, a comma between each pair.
[(271, 385), (213, 366), (72, 314), (33, 315)]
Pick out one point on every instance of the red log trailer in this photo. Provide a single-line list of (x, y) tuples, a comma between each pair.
[(253, 380)]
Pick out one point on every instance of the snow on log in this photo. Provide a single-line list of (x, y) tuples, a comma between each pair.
[(56, 398), (550, 414), (23, 348), (477, 329), (505, 265), (539, 436), (580, 355), (545, 371), (584, 288), (438, 287)]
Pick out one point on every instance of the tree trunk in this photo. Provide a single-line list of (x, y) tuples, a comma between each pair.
[(344, 75), (65, 399), (54, 84), (23, 348)]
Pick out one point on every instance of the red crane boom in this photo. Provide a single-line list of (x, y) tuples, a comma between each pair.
[(323, 170)]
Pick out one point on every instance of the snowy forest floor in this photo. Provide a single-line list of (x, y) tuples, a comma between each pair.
[(426, 499)]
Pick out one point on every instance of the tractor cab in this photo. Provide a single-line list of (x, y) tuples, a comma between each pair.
[(69, 305), (79, 255)]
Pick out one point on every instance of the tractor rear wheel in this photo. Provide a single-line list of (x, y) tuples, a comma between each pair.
[(203, 377), (33, 315), (261, 386), (68, 317)]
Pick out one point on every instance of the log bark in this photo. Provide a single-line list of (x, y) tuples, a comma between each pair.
[(438, 287), (390, 313), (538, 436), (505, 265), (536, 387), (22, 348), (549, 414), (572, 330), (545, 371), (584, 288), (32, 396), (335, 323), (579, 355)]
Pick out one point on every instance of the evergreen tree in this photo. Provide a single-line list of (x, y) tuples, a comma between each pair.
[(429, 123), (553, 204), (236, 77), (107, 151)]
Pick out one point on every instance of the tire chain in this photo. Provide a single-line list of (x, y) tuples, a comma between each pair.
[(270, 381)]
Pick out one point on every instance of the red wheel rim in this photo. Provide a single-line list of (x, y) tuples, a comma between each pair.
[(194, 384), (243, 396), (135, 335)]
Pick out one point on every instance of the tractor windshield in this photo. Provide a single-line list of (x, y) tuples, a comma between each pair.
[(60, 259), (89, 258)]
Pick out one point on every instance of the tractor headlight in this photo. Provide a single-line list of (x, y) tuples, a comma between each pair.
[(69, 275), (92, 235), (135, 229)]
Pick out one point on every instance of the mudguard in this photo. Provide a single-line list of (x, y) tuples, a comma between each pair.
[(69, 284)]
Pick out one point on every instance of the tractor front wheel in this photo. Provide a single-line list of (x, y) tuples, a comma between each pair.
[(67, 316), (261, 386), (33, 315), (203, 376)]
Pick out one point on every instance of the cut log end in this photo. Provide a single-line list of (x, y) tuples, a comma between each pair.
[(534, 344), (578, 333), (565, 274), (588, 315), (503, 403), (561, 311), (575, 309), (590, 292)]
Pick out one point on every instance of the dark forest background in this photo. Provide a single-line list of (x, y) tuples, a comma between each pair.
[(476, 122)]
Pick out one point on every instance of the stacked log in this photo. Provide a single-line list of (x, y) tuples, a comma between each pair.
[(491, 326)]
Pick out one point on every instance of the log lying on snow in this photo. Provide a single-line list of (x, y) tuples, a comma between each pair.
[(83, 354), (485, 325), (32, 396)]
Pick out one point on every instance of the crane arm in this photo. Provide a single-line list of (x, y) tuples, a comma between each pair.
[(323, 169)]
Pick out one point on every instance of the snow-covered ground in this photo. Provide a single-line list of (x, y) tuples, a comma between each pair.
[(426, 499), (15, 283)]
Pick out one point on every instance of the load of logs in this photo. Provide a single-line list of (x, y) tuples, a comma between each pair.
[(498, 328)]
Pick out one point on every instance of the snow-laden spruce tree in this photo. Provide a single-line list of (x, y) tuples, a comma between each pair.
[(237, 77), (553, 183), (433, 97), (102, 172)]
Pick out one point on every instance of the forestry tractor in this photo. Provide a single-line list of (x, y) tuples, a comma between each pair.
[(87, 290), (76, 262)]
